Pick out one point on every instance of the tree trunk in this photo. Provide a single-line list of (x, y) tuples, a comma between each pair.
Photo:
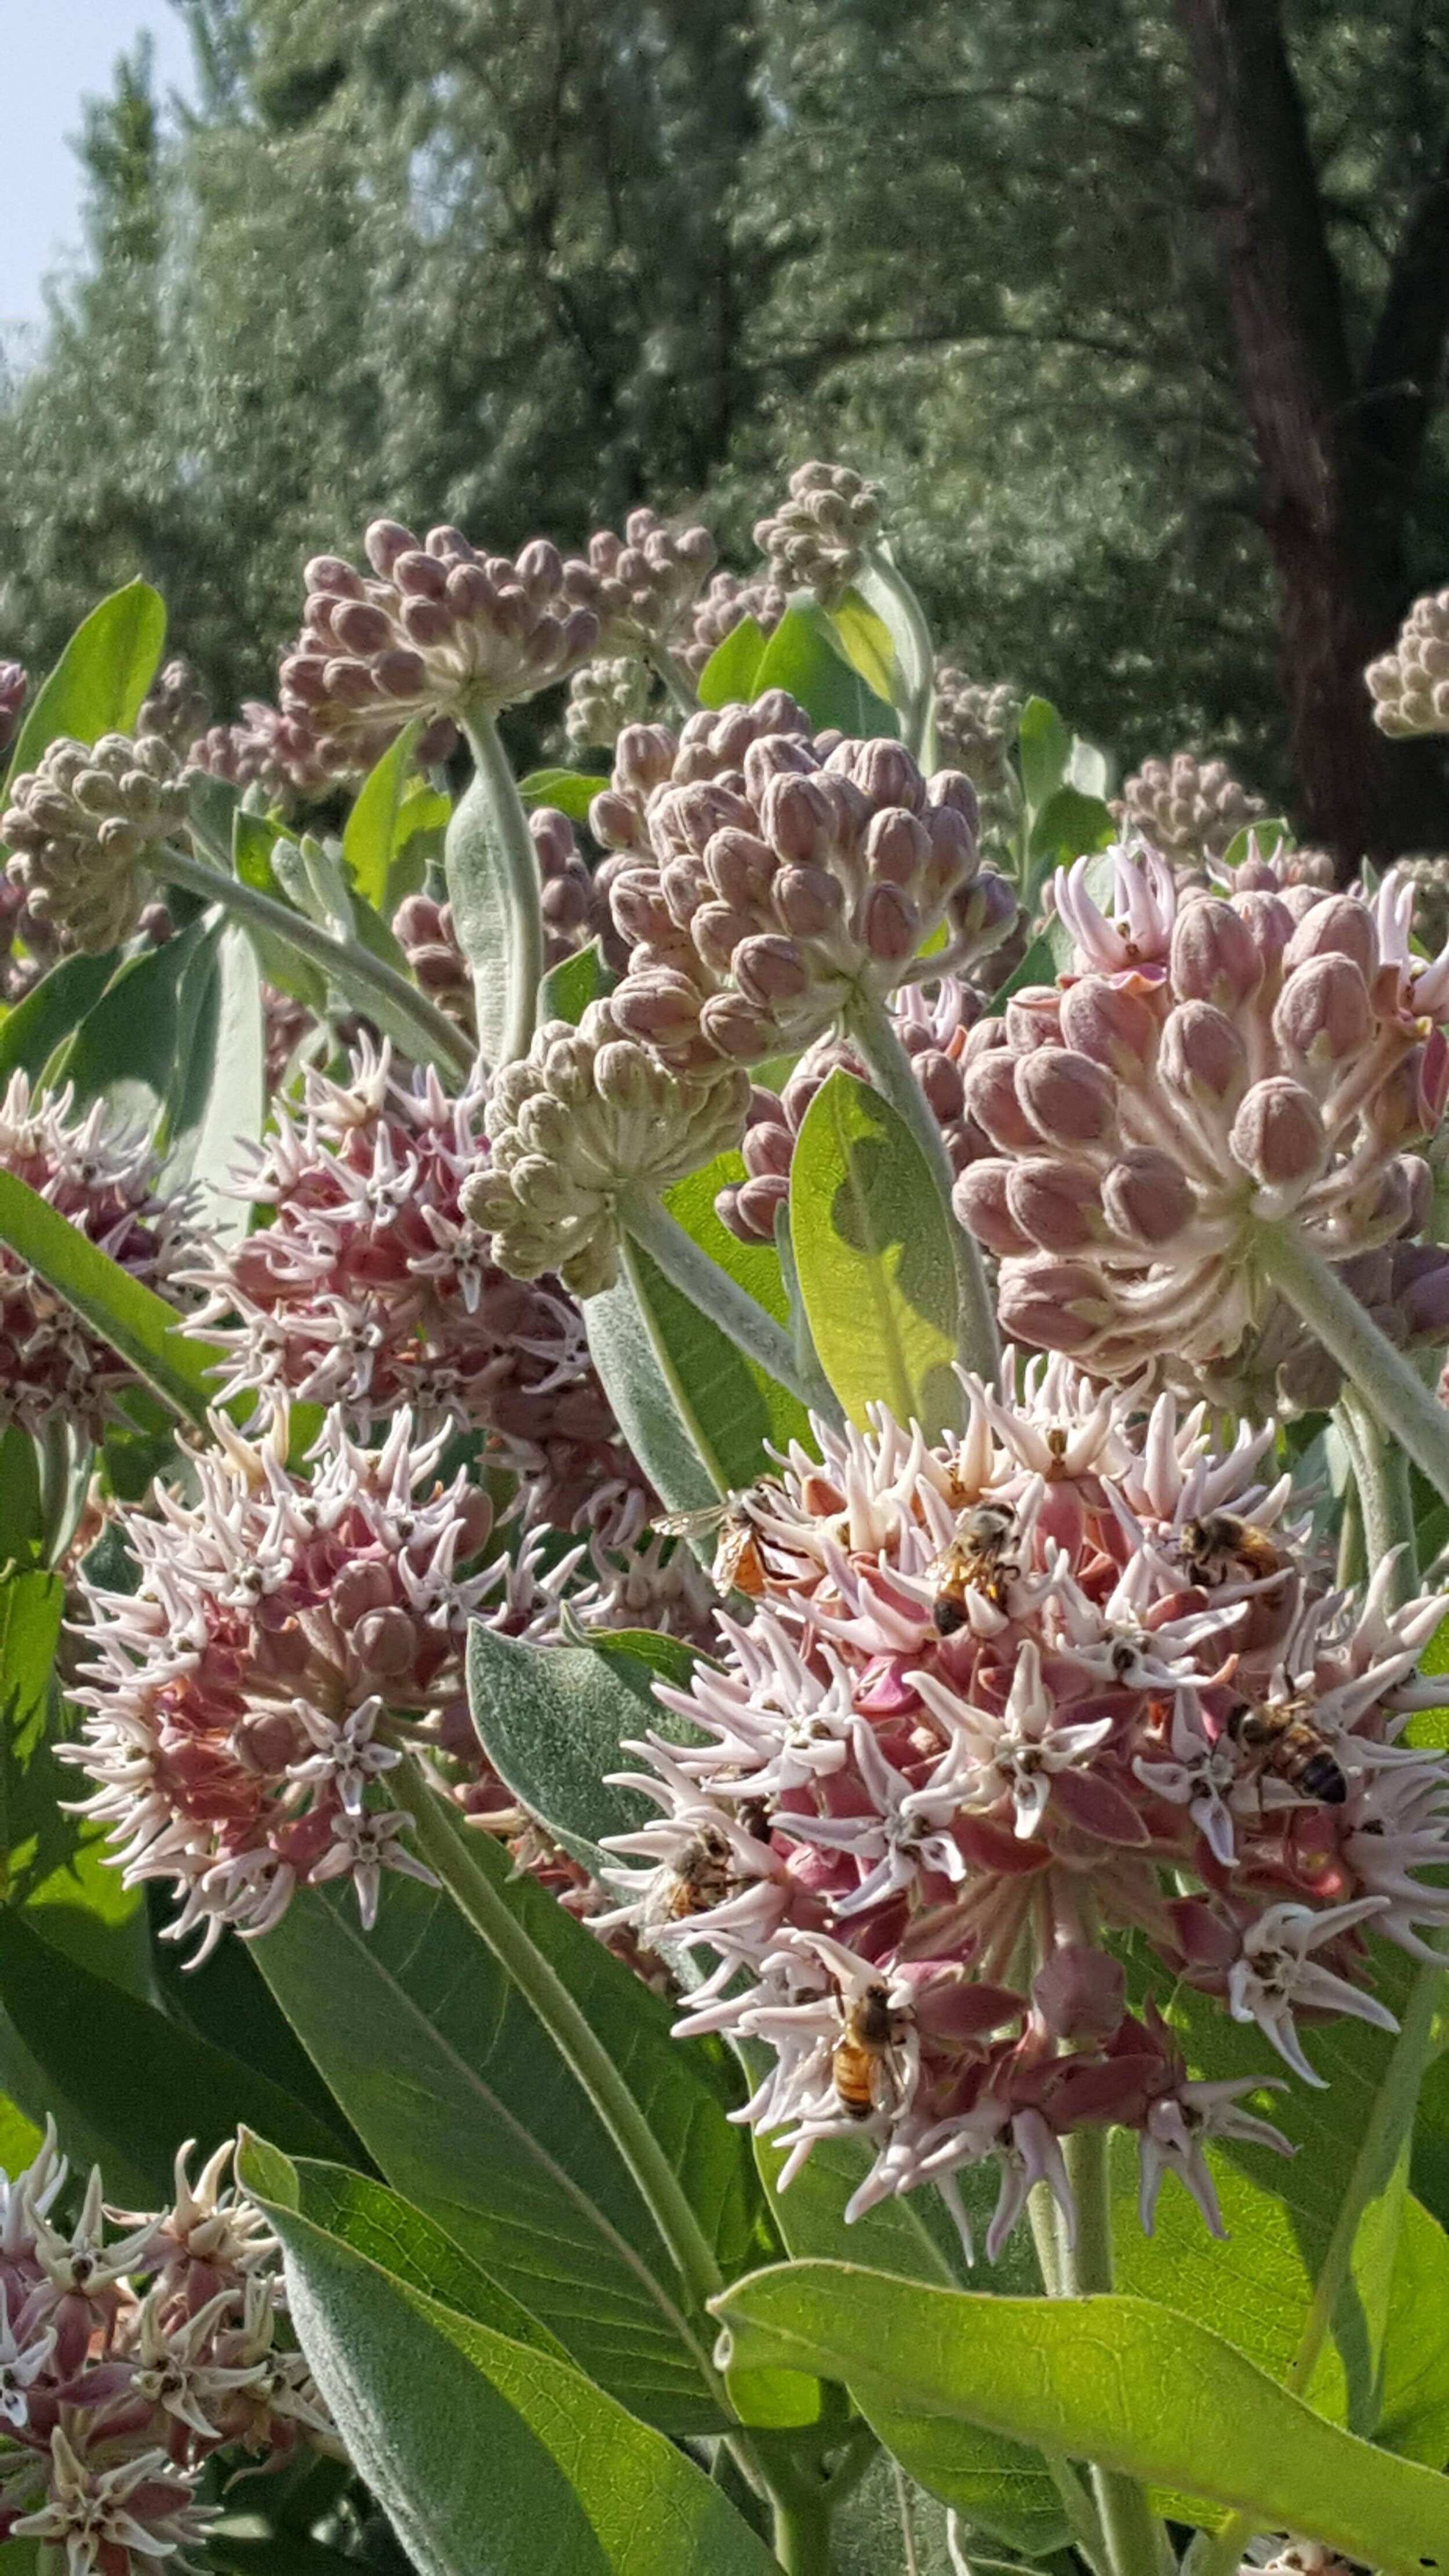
[(1337, 452)]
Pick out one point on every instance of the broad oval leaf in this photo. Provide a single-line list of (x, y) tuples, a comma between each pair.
[(102, 676), (125, 1049), (1045, 748), (624, 1352), (571, 790), (567, 989), (469, 2110), (51, 1011), (369, 836), (131, 1317), (873, 1251), (1117, 2380), (490, 2456), (728, 677), (220, 1104), (551, 1720), (803, 655)]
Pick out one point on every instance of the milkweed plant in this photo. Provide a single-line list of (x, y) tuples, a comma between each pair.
[(724, 1491)]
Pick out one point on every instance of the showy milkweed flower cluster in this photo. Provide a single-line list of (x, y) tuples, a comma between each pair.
[(368, 1287), (241, 1702), (106, 1183), (84, 829), (1188, 809), (1004, 1697), (129, 2361), (1410, 685), (1206, 1062), (771, 873)]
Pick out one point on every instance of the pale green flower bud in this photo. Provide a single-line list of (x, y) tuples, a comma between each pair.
[(81, 829), (1410, 686), (1188, 809), (604, 697)]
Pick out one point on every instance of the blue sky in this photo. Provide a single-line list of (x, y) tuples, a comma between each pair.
[(57, 52)]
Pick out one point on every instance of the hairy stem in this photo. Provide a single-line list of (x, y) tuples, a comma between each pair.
[(442, 1844), (802, 2533), (1386, 1507), (1392, 1390), (1136, 2542), (509, 859), (360, 974), (868, 1023), (677, 682), (649, 1224)]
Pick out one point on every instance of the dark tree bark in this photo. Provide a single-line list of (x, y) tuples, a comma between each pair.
[(1338, 446)]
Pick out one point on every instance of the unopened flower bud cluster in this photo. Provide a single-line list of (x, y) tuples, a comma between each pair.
[(770, 874), (644, 584), (14, 689), (604, 697), (820, 534), (1429, 877), (587, 1113), (280, 754), (725, 605), (976, 730), (1186, 808), (174, 707), (1410, 686), (83, 830), (105, 1182), (437, 629), (933, 1027), (1004, 1698), (1202, 1066), (130, 2360)]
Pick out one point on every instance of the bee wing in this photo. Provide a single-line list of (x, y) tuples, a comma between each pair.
[(695, 1524)]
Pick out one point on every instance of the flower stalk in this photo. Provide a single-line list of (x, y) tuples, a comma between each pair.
[(494, 869), (649, 1224), (869, 1024), (1135, 2542), (1394, 1394)]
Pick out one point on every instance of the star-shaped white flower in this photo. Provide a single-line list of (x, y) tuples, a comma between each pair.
[(1277, 1971)]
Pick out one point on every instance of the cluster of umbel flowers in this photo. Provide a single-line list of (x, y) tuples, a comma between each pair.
[(14, 690), (820, 534), (1206, 1063), (934, 1028), (725, 605), (1191, 810), (174, 707), (126, 2366), (83, 830), (1410, 686), (976, 729), (1001, 1698), (438, 629), (770, 873), (243, 1703), (107, 1185), (266, 749), (368, 1287)]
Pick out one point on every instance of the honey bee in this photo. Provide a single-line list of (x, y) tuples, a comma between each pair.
[(702, 1878), (1291, 1747), (975, 1560), (738, 1565), (861, 2066), (1220, 1547)]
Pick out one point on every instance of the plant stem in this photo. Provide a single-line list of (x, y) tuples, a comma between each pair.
[(1381, 1473), (1136, 2542), (676, 682), (518, 885), (868, 1023), (1393, 1392), (351, 965), (802, 2534), (649, 1224), (442, 1845), (915, 650)]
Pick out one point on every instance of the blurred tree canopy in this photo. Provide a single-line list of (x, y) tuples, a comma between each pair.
[(1138, 311)]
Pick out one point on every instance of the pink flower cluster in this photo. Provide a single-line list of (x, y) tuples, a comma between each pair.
[(125, 2366), (369, 1288), (243, 1701), (1005, 1696), (106, 1184)]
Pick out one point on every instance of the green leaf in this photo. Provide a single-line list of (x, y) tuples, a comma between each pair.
[(131, 1317), (36, 1836), (1038, 966), (227, 2001), (102, 676), (733, 1407), (1267, 837), (125, 1049), (552, 1720), (623, 1351), (1088, 769), (865, 640), (222, 1103), (1068, 827), (465, 2104), (568, 989), (804, 657), (50, 1011), (1413, 2414), (571, 790), (729, 676), (999, 2486), (370, 835), (253, 840), (486, 2455), (1045, 750), (669, 1659), (1117, 2380), (374, 2222), (874, 1255), (22, 1519), (134, 2077)]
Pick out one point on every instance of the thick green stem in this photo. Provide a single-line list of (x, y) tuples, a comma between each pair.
[(868, 1022), (442, 1845), (1386, 1506), (677, 683), (497, 885), (359, 973), (649, 1224), (802, 2534), (1136, 2542), (1392, 1390)]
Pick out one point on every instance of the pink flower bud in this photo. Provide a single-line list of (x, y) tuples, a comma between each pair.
[(385, 540), (1203, 1056), (883, 771), (1213, 956), (796, 815), (888, 924), (940, 1079), (739, 866), (980, 1201), (808, 900), (1081, 1993), (659, 1007), (1324, 1011), (737, 1028), (1147, 1197), (993, 1100), (1338, 925), (1278, 1134), (1112, 1025), (896, 847), (1070, 1099), (1058, 1204), (1034, 1018), (770, 970), (1053, 1305), (332, 577)]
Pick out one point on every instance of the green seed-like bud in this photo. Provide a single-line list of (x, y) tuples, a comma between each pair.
[(80, 829)]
